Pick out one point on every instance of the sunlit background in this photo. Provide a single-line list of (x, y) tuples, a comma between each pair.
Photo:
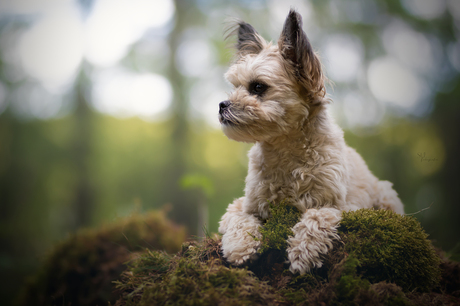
[(109, 107)]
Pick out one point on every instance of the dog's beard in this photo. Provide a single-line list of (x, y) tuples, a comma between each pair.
[(252, 124), (236, 126)]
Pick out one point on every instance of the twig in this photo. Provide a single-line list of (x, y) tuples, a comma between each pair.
[(420, 210)]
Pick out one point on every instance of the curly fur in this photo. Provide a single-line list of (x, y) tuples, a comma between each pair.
[(299, 153)]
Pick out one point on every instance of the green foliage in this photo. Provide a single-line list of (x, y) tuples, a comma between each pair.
[(80, 270), (198, 181), (278, 227), (390, 247)]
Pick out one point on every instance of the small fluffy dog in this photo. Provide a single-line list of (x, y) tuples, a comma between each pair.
[(299, 155)]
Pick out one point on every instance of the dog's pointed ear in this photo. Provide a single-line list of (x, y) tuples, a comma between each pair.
[(300, 56), (248, 40)]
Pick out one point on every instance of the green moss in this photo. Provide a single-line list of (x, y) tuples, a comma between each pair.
[(382, 259), (349, 284), (80, 270), (390, 247), (344, 286), (278, 227), (196, 276), (199, 275)]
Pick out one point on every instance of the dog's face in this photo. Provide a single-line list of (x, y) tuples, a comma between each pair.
[(274, 85)]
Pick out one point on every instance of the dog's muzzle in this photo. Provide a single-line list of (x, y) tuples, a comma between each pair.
[(223, 105)]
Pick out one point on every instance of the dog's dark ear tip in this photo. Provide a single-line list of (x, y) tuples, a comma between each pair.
[(292, 12), (248, 40), (245, 27), (294, 18)]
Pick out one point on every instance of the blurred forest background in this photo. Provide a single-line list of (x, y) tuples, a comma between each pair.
[(110, 106)]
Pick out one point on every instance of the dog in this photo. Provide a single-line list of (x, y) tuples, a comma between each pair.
[(299, 156)]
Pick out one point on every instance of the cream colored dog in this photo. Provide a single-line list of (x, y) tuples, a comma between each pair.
[(299, 156)]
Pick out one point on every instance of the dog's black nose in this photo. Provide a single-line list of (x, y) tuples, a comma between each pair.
[(223, 105)]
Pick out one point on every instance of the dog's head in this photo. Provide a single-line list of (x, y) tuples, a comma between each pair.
[(275, 86)]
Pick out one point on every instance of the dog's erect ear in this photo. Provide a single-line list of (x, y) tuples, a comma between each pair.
[(249, 41), (298, 52)]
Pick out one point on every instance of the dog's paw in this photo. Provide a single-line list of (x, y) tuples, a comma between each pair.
[(240, 245), (239, 260), (313, 238), (302, 259)]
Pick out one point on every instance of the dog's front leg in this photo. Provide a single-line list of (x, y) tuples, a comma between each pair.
[(239, 230), (313, 237)]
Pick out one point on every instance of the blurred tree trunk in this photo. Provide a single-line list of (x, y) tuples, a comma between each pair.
[(184, 205), (446, 114), (84, 197)]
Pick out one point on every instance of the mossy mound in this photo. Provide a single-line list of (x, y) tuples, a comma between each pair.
[(388, 247), (391, 248), (80, 270), (198, 275), (360, 270)]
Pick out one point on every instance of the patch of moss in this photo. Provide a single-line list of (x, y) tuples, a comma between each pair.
[(80, 270), (391, 248), (278, 227), (349, 284), (384, 247), (388, 246), (344, 286), (197, 275)]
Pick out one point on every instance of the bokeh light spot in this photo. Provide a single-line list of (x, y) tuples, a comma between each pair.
[(390, 82), (125, 94)]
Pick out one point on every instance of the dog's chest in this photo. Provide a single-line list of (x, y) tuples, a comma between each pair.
[(274, 179), (282, 183)]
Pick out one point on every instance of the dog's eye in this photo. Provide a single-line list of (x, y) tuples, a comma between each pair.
[(257, 88)]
